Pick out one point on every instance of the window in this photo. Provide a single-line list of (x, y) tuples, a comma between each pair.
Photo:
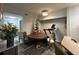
[(14, 19)]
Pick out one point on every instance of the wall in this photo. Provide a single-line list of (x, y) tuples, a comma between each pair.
[(73, 22), (28, 23), (60, 23)]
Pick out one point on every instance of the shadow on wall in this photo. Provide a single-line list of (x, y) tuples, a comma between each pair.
[(59, 35)]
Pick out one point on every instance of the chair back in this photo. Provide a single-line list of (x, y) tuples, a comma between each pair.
[(50, 36)]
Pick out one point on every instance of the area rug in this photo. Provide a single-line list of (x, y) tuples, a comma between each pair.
[(35, 51)]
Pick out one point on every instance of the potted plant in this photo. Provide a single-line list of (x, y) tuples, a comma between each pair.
[(9, 32)]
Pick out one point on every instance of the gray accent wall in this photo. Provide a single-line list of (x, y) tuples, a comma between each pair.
[(61, 26)]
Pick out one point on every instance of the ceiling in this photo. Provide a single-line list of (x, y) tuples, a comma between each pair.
[(34, 8)]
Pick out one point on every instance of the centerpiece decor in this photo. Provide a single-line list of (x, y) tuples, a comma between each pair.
[(9, 30)]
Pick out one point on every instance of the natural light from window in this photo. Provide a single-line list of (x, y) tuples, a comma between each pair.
[(14, 19)]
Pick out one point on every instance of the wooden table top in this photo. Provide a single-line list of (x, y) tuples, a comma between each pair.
[(39, 36)]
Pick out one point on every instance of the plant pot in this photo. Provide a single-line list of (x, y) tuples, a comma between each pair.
[(10, 42)]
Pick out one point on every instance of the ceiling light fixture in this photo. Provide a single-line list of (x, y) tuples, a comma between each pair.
[(44, 12)]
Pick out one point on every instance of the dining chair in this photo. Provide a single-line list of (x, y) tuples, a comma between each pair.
[(50, 38), (25, 37)]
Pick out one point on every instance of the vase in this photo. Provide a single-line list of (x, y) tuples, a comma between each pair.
[(10, 41)]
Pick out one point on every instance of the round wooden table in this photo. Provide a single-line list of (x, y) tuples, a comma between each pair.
[(38, 36), (38, 39)]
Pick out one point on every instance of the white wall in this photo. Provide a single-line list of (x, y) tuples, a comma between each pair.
[(73, 22), (28, 23)]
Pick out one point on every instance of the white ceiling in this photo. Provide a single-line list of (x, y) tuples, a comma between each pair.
[(35, 8)]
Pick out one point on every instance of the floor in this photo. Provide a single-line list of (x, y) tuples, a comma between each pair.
[(24, 49)]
